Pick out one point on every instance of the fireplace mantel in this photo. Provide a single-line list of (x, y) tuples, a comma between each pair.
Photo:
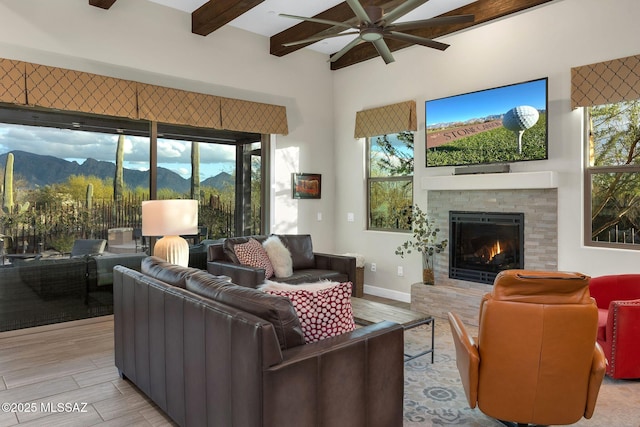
[(492, 181)]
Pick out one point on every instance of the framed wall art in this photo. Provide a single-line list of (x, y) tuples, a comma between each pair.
[(306, 185)]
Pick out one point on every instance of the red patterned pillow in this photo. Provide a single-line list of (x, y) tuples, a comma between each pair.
[(323, 312), (253, 254)]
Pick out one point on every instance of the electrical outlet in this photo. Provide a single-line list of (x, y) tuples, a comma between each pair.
[(350, 217), (400, 271), (319, 216), (373, 266)]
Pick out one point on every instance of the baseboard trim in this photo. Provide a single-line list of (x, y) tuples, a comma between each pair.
[(387, 293)]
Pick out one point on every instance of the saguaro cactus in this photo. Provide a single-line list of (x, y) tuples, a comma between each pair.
[(7, 195), (89, 196), (118, 180), (195, 170)]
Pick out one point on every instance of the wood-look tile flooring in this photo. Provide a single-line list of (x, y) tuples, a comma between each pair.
[(64, 375), (72, 364)]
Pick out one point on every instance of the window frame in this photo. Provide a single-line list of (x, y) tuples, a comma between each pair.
[(370, 180), (48, 118), (589, 172)]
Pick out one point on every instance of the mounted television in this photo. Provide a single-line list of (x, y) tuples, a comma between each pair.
[(499, 125)]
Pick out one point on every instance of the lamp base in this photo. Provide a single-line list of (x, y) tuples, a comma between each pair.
[(173, 249)]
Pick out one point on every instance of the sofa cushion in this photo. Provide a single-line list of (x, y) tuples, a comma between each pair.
[(603, 313), (230, 242), (277, 310), (312, 275), (324, 308), (301, 249), (253, 254), (164, 271), (279, 256)]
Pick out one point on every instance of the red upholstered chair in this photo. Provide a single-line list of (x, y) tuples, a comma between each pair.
[(618, 300)]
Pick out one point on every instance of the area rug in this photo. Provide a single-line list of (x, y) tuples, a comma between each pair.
[(433, 393)]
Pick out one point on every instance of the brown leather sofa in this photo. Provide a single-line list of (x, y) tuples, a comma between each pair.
[(308, 266), (535, 360), (209, 352)]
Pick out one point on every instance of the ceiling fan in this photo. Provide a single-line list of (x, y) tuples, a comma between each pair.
[(375, 25)]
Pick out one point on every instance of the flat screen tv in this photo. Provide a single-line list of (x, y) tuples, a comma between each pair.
[(499, 125)]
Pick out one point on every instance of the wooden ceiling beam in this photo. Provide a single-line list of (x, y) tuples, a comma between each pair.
[(483, 11), (216, 13), (102, 4), (340, 13)]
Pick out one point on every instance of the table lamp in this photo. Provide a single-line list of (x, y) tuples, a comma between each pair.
[(170, 218)]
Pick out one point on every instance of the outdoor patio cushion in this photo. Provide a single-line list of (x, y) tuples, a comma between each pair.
[(83, 247)]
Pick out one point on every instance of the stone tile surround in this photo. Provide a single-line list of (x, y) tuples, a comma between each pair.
[(540, 208)]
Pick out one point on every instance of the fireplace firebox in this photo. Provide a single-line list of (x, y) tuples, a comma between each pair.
[(482, 244)]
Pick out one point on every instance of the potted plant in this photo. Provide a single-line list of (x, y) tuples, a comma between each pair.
[(424, 240)]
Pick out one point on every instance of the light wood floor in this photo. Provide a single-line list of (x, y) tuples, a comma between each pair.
[(46, 366), (72, 364)]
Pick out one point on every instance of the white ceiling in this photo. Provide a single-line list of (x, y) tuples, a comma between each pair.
[(263, 19)]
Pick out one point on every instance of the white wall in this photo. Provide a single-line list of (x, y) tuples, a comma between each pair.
[(146, 42), (542, 42)]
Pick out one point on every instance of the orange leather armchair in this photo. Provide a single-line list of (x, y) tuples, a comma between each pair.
[(535, 360), (618, 300)]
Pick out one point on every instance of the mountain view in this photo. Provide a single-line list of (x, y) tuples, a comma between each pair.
[(39, 171)]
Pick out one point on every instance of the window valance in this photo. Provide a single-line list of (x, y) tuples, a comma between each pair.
[(71, 90), (606, 82), (12, 82), (166, 105), (25, 83), (250, 116), (385, 120)]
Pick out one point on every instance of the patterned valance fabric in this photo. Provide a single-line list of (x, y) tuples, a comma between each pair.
[(71, 90), (174, 106), (250, 116), (606, 82), (12, 82), (386, 120)]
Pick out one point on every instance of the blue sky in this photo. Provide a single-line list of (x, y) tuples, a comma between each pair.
[(486, 102), (80, 145)]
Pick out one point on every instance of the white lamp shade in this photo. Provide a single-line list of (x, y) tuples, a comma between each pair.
[(169, 217)]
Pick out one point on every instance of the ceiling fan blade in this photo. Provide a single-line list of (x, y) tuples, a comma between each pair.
[(432, 22), (383, 50), (319, 21), (401, 10), (357, 8), (415, 39), (318, 38), (345, 49)]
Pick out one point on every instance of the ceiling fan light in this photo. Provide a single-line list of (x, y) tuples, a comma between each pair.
[(371, 34)]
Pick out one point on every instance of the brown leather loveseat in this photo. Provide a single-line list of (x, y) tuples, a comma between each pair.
[(308, 266), (209, 352)]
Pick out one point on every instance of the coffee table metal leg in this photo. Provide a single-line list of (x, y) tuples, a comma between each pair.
[(432, 322)]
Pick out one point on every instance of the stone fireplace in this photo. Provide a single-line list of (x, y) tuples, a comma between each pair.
[(539, 208), (482, 244)]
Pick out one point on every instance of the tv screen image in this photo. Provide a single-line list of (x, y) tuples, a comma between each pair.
[(499, 125)]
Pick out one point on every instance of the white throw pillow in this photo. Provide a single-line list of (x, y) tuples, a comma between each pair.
[(279, 256)]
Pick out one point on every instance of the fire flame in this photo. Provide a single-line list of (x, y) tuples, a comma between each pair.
[(495, 250)]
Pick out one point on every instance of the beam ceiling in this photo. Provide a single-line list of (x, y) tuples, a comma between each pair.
[(102, 4), (483, 10), (216, 13)]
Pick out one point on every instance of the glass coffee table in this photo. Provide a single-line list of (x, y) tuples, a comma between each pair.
[(366, 312)]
